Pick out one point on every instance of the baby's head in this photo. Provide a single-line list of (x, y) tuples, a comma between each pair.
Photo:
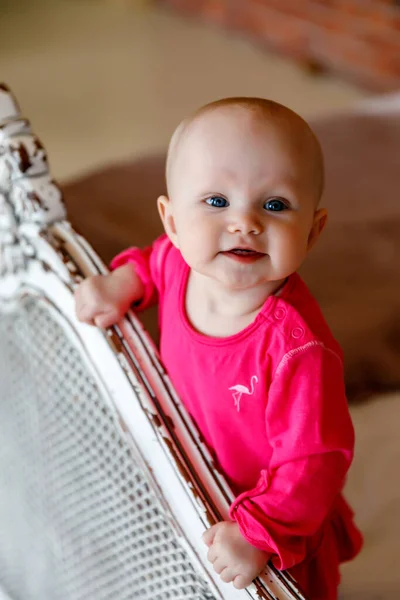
[(244, 180)]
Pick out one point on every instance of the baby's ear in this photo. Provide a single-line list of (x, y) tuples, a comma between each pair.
[(165, 209), (320, 219)]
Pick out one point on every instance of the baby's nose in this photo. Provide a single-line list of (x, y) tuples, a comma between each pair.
[(246, 223)]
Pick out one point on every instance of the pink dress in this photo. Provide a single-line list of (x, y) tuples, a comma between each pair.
[(271, 405)]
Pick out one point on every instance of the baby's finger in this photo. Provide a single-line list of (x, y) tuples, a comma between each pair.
[(241, 581), (84, 313), (209, 535), (212, 554), (219, 565), (227, 575), (106, 319)]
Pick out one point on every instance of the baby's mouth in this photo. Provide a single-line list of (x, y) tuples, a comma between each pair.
[(244, 254), (243, 251)]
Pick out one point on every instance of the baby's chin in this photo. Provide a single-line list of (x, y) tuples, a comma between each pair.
[(239, 278), (241, 283), (269, 279), (221, 279)]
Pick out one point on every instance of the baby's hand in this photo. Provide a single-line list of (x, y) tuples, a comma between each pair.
[(233, 558), (103, 300)]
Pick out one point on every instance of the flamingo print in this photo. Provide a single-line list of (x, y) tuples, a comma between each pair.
[(239, 390)]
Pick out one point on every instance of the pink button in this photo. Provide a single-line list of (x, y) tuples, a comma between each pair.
[(297, 332), (280, 313)]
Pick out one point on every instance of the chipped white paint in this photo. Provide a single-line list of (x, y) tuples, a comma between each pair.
[(29, 198)]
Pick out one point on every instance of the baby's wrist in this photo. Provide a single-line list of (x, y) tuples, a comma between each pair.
[(127, 277)]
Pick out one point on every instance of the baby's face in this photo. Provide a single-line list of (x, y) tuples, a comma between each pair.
[(242, 199)]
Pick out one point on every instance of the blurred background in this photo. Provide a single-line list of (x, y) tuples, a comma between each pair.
[(108, 79)]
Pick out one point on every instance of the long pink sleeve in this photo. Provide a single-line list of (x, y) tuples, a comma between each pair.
[(148, 264), (312, 438)]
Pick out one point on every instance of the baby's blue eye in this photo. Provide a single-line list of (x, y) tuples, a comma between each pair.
[(275, 205), (217, 202)]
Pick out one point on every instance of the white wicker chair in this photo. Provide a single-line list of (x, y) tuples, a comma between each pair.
[(105, 484)]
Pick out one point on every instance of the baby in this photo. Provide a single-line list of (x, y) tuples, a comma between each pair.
[(243, 340)]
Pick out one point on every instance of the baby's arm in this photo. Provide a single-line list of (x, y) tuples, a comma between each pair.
[(310, 431), (102, 300), (311, 434), (136, 278)]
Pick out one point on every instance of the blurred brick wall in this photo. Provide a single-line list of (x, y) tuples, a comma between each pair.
[(359, 39)]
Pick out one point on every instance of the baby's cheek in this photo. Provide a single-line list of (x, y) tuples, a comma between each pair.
[(194, 250), (200, 243), (289, 252)]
